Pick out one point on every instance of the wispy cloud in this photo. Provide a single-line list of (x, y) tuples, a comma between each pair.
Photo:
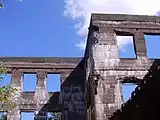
[(81, 45), (158, 13), (80, 11)]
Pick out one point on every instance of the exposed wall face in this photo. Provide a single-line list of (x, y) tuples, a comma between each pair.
[(104, 56), (90, 86), (143, 101), (69, 100), (72, 94)]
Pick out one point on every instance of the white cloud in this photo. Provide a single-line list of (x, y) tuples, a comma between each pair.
[(80, 11), (81, 45), (123, 41)]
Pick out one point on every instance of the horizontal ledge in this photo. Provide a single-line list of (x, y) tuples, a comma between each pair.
[(53, 66), (127, 25), (124, 17), (42, 59), (129, 65), (33, 107)]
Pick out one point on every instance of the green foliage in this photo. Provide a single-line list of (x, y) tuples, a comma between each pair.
[(6, 94)]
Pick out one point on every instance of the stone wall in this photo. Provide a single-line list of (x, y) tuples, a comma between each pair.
[(144, 103), (69, 101), (102, 52), (91, 87)]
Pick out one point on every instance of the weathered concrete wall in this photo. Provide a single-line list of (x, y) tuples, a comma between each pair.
[(91, 87), (144, 103), (72, 94), (106, 64), (69, 101)]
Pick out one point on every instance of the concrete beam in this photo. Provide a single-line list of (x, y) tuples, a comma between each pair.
[(124, 17)]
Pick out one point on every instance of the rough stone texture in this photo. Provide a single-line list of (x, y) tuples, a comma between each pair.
[(91, 87), (109, 71), (144, 103), (69, 101)]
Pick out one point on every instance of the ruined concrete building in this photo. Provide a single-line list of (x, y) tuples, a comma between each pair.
[(91, 87), (144, 102)]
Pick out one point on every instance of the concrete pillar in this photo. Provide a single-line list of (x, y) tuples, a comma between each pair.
[(118, 94), (64, 76), (41, 96), (16, 82), (108, 97), (140, 45), (14, 114), (104, 49), (105, 54)]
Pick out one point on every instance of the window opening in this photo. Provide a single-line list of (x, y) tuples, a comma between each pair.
[(127, 89), (27, 115), (53, 82), (126, 46), (152, 45), (29, 82)]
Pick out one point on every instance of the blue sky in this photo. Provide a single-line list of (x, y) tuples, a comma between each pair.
[(36, 28), (39, 28)]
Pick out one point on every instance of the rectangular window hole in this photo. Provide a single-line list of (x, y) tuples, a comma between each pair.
[(53, 82), (127, 89), (29, 82), (152, 45), (5, 80), (3, 115), (54, 116), (27, 115), (126, 46)]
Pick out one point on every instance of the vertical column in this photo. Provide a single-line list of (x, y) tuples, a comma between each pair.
[(104, 48), (105, 55), (98, 101), (41, 96), (140, 46), (16, 82), (64, 76), (119, 94), (108, 97)]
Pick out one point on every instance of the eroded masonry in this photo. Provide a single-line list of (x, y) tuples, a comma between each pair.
[(91, 87)]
